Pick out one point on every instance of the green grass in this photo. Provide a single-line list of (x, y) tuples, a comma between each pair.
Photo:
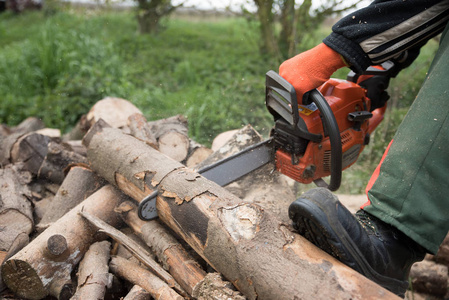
[(57, 66)]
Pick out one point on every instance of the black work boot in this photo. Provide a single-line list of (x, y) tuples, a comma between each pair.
[(363, 242)]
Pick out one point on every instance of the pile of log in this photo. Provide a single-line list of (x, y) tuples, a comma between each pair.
[(70, 229)]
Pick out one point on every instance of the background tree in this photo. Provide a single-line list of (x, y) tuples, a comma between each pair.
[(297, 19), (150, 12)]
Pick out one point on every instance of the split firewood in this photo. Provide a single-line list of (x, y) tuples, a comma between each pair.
[(242, 241), (137, 275), (137, 293), (197, 154), (429, 278), (44, 266), (139, 128), (79, 184), (134, 247), (16, 213), (93, 272), (172, 136)]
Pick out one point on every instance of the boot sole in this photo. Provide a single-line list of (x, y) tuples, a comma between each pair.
[(318, 223)]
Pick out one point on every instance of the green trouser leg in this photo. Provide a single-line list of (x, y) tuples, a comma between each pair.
[(411, 191)]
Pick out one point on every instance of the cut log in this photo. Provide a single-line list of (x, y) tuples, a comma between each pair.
[(168, 250), (42, 157), (197, 154), (114, 111), (172, 136), (20, 242), (93, 273), (442, 256), (56, 161), (134, 248), (245, 243), (35, 271), (139, 128), (28, 125), (16, 214), (80, 129), (429, 278), (137, 293), (222, 139), (213, 287), (75, 146), (157, 288), (79, 184)]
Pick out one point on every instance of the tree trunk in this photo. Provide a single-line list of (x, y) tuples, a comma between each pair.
[(44, 266), (265, 16), (250, 247)]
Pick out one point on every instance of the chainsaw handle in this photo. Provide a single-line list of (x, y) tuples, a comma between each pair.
[(331, 127)]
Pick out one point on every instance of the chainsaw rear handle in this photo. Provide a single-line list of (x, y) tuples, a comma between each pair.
[(331, 127)]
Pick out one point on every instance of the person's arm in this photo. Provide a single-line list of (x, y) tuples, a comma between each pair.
[(387, 30), (384, 30)]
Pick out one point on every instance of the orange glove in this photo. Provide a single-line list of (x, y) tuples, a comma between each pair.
[(310, 69)]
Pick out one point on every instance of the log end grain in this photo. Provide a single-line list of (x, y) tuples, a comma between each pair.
[(23, 280), (57, 244)]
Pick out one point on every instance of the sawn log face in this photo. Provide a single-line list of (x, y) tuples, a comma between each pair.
[(250, 247)]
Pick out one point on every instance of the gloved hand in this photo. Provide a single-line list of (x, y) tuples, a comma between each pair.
[(310, 69)]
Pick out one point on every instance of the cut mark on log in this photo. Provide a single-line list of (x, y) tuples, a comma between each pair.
[(248, 216)]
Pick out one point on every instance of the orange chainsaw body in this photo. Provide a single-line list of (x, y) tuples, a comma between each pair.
[(344, 98)]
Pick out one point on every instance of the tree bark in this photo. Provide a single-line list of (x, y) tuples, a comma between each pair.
[(144, 278), (93, 274), (38, 270), (250, 247)]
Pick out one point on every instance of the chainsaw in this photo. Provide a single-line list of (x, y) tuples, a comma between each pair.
[(318, 138)]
